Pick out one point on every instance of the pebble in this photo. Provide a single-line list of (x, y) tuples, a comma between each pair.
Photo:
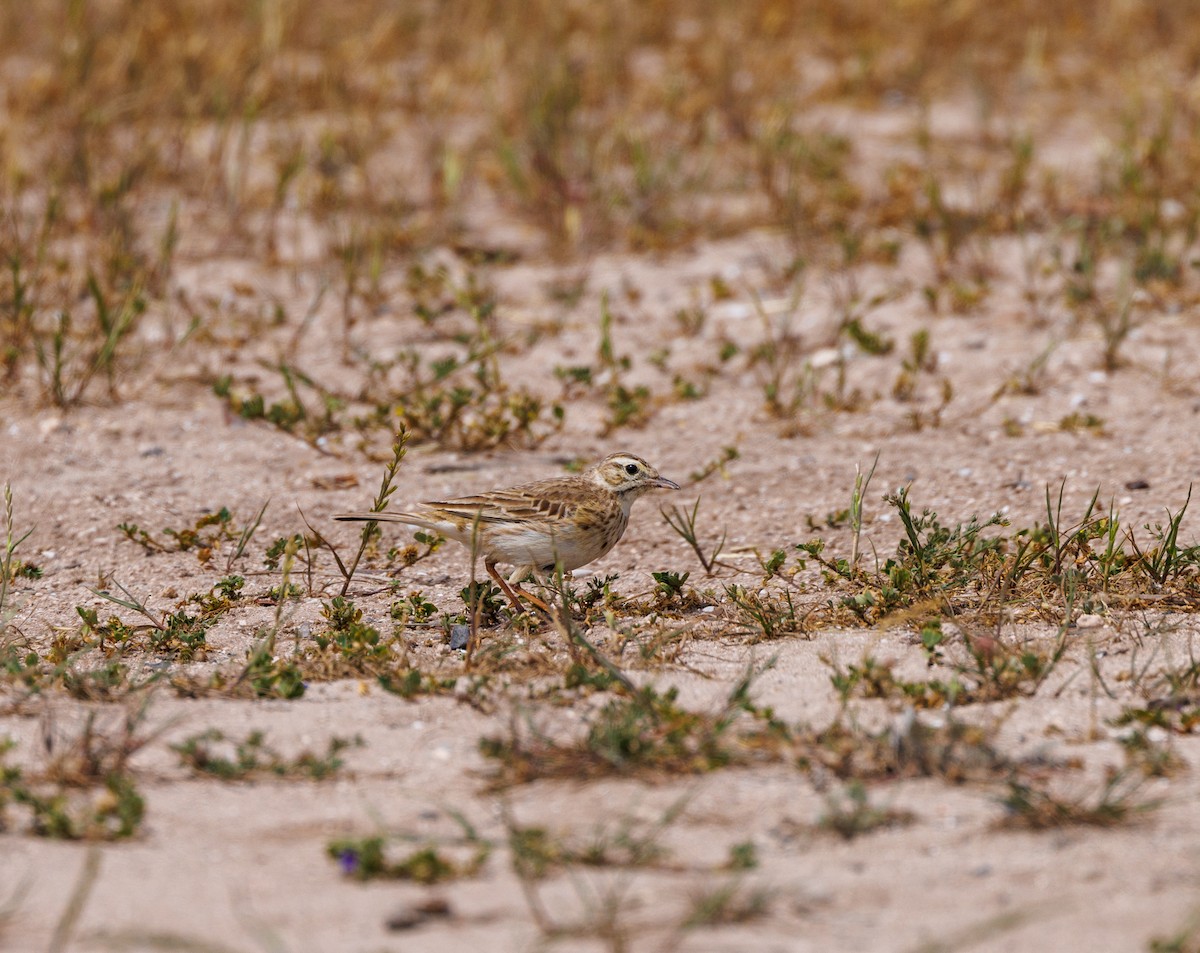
[(460, 635), (825, 357), (414, 914)]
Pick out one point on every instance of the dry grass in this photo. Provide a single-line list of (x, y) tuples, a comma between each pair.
[(372, 160)]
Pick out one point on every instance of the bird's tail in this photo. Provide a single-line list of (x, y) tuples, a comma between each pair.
[(410, 519)]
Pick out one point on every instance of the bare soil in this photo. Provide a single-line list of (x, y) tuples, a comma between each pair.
[(243, 866)]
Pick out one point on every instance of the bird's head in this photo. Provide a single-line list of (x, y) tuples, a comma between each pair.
[(629, 476)]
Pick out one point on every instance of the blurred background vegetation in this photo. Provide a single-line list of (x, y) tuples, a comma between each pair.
[(360, 132)]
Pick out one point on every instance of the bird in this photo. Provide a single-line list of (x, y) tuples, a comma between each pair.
[(566, 521)]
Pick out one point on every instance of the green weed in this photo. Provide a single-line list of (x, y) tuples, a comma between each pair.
[(253, 758), (850, 814), (1036, 808), (84, 790), (10, 567), (206, 536), (683, 522), (373, 857), (640, 731)]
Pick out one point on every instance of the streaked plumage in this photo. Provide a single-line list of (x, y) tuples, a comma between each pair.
[(569, 520)]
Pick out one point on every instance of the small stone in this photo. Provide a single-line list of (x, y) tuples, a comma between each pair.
[(405, 919), (824, 357), (1137, 485), (460, 635), (1089, 621), (414, 914)]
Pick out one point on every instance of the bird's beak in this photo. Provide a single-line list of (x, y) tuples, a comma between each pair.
[(664, 483)]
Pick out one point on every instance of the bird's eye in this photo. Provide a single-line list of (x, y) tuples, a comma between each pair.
[(631, 469)]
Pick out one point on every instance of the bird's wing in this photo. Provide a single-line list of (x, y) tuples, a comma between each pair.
[(536, 502)]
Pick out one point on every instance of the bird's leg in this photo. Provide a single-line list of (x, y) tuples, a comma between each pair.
[(548, 584), (519, 575), (511, 593)]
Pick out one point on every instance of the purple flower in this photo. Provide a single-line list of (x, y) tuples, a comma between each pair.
[(348, 861)]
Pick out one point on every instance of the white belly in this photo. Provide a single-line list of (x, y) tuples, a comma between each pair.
[(525, 547)]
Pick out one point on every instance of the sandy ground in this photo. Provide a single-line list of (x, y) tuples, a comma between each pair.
[(242, 866)]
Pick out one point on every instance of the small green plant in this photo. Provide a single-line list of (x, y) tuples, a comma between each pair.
[(933, 562), (642, 730), (370, 530), (727, 903), (252, 757), (397, 559), (716, 465), (787, 379), (743, 856), (861, 482), (205, 537), (454, 395), (1185, 940), (874, 679), (290, 414), (767, 613), (178, 633), (108, 682), (1036, 808), (628, 405), (683, 522), (988, 669), (630, 842), (348, 636), (920, 360), (933, 557), (374, 857), (850, 814), (70, 359), (951, 750), (10, 567), (604, 864), (265, 675), (1166, 560), (364, 859), (1172, 701), (413, 609), (1147, 756), (85, 789), (412, 682), (670, 584), (351, 648)]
